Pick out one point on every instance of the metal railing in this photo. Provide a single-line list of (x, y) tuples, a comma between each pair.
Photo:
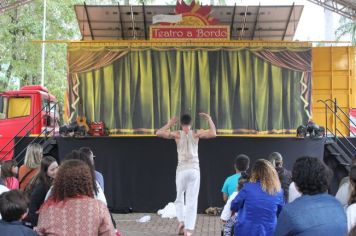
[(47, 108), (338, 116)]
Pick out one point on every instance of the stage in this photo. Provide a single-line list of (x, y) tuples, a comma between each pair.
[(139, 172)]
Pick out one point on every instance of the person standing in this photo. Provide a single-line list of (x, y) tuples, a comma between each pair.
[(188, 171)]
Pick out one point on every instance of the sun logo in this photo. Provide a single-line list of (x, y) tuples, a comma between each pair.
[(194, 14)]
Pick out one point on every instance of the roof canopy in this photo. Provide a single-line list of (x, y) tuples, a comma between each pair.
[(117, 22)]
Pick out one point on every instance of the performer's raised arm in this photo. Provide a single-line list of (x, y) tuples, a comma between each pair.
[(165, 132), (211, 132)]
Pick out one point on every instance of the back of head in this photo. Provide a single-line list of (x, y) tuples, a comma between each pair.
[(73, 179), (244, 178), (242, 162), (352, 176), (276, 159), (13, 205), (85, 157), (311, 176), (264, 172), (6, 168), (33, 157), (86, 150), (185, 119)]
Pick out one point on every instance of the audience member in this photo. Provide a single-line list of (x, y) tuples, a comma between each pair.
[(227, 216), (351, 209), (344, 192), (9, 172), (284, 175), (31, 164), (72, 210), (315, 212), (40, 185), (242, 163), (98, 176), (259, 201), (98, 192), (13, 209)]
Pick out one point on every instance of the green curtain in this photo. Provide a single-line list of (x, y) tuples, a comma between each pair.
[(139, 92)]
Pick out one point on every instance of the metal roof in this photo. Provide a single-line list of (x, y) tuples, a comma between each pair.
[(117, 22), (346, 8)]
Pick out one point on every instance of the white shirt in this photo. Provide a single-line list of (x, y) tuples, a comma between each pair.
[(343, 194), (351, 216), (100, 196), (226, 213), (293, 193)]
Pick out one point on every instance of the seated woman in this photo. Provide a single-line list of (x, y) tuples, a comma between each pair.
[(31, 166), (39, 186), (259, 201), (8, 173), (227, 216), (72, 209), (315, 212)]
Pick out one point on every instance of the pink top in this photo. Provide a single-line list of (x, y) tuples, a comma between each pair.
[(75, 216), (11, 183)]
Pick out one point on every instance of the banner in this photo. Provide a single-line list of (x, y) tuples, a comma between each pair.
[(221, 32), (166, 18)]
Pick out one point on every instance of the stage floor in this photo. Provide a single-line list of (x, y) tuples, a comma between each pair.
[(205, 226)]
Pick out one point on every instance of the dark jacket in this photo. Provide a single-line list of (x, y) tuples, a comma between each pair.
[(15, 228), (38, 196)]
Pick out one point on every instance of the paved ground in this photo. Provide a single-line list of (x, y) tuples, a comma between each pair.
[(206, 225)]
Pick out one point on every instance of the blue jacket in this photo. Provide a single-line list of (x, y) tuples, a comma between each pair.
[(15, 228), (312, 215), (257, 210)]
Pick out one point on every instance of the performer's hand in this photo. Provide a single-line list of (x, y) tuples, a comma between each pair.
[(172, 121), (205, 116)]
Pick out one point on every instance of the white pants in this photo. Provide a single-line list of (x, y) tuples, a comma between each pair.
[(188, 183)]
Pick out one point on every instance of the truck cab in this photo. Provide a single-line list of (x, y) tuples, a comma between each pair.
[(28, 111)]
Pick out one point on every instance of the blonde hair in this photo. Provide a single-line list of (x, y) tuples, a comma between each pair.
[(264, 172), (33, 156)]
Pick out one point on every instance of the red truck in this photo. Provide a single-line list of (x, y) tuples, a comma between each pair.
[(32, 110)]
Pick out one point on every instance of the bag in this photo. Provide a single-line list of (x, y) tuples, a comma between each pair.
[(97, 129)]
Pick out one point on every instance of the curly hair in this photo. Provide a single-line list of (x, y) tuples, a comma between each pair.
[(264, 172), (352, 176), (73, 179), (83, 156), (311, 176)]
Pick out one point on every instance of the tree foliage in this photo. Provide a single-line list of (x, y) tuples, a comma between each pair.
[(20, 58), (347, 28)]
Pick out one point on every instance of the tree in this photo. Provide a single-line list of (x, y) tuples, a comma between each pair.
[(347, 28), (20, 58)]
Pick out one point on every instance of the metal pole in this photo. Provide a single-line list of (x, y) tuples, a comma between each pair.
[(43, 39), (326, 120), (335, 116)]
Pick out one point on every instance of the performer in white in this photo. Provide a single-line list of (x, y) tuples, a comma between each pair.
[(188, 172)]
